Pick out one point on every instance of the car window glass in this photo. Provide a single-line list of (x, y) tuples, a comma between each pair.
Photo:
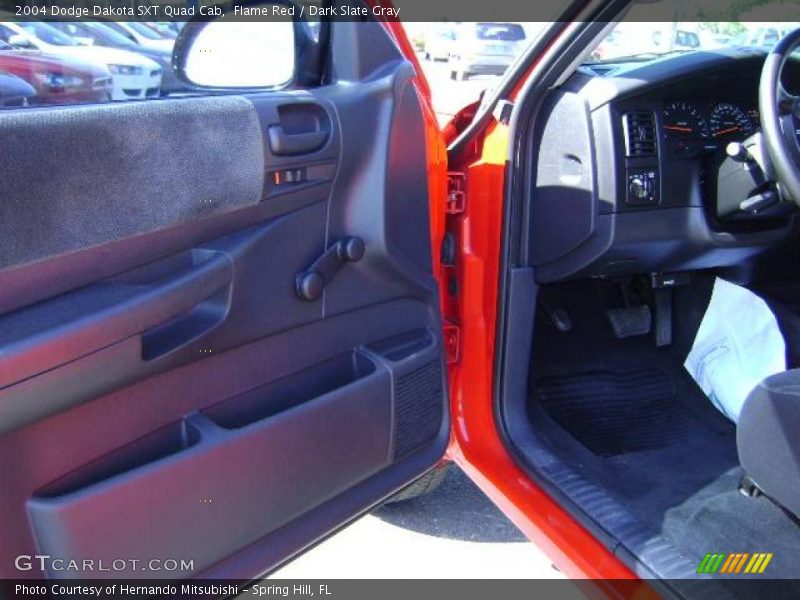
[(504, 32), (89, 62), (76, 30), (120, 30), (5, 33), (145, 31), (47, 34), (101, 32)]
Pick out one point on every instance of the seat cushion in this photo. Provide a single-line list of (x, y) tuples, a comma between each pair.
[(768, 438)]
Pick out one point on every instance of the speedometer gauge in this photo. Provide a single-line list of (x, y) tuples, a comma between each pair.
[(729, 121)]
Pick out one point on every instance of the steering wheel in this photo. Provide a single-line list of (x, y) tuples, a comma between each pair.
[(778, 109)]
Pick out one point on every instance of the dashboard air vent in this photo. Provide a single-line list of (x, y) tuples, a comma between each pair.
[(640, 133)]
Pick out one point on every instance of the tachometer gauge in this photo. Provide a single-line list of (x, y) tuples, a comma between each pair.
[(729, 121), (681, 119), (685, 129)]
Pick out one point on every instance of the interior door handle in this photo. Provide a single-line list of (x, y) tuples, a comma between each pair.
[(286, 144)]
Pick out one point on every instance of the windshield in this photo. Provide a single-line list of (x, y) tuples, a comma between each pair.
[(47, 34), (638, 41), (503, 32)]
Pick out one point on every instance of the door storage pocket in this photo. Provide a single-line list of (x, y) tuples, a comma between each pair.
[(148, 450), (239, 472), (285, 393)]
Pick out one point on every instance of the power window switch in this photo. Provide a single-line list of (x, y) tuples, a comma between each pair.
[(290, 176)]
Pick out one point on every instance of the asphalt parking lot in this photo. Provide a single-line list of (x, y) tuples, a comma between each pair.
[(454, 532)]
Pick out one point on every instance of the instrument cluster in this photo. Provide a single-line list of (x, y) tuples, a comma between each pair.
[(692, 127)]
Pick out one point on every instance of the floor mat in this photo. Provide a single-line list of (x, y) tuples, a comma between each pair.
[(625, 418), (616, 412), (625, 433)]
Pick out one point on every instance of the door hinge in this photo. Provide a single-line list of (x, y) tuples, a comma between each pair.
[(451, 335), (456, 194)]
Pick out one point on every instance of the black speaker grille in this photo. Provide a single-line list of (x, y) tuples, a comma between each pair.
[(418, 408)]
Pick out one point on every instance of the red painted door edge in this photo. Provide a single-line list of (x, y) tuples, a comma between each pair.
[(476, 445), (398, 32)]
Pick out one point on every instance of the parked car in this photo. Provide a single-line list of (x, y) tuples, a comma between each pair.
[(14, 91), (713, 41), (94, 33), (681, 40), (134, 76), (485, 48), (638, 39), (764, 36), (142, 34), (57, 79)]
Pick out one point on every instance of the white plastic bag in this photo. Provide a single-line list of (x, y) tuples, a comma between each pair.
[(737, 345)]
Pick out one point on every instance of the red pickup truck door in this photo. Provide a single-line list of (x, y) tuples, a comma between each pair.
[(216, 345)]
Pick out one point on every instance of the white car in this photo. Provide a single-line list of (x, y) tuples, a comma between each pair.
[(485, 48), (142, 34), (133, 76), (682, 40), (439, 42)]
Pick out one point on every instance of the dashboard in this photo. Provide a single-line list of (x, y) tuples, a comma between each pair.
[(631, 170)]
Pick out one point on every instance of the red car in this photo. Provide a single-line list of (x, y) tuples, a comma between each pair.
[(232, 323), (57, 79), (14, 92)]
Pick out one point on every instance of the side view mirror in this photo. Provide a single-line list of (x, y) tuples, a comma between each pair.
[(272, 49), (20, 41), (84, 41)]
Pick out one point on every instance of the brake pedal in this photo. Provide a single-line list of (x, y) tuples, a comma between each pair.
[(630, 321)]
